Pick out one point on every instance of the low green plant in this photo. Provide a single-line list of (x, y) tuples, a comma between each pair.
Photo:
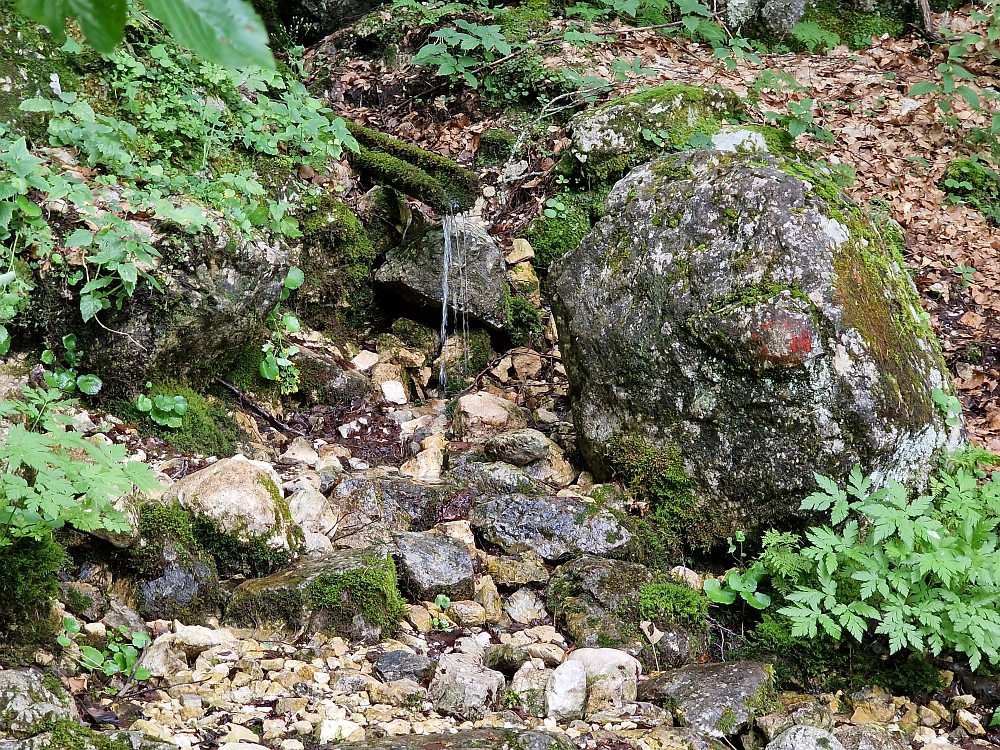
[(441, 623), (121, 656), (949, 405), (813, 36), (63, 374), (925, 570), (739, 584), (453, 55), (800, 120), (277, 364), (165, 410), (51, 477)]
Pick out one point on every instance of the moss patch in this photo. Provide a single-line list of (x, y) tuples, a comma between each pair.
[(28, 584), (372, 592), (66, 734), (671, 602)]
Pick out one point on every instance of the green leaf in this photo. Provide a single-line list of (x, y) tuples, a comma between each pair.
[(90, 306), (92, 658), (143, 403), (225, 32), (921, 88), (269, 368), (294, 278), (80, 238), (714, 591), (28, 208), (89, 384), (102, 21), (49, 13)]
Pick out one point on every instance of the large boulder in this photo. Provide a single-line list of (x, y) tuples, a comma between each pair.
[(28, 699), (433, 563), (477, 273), (734, 324)]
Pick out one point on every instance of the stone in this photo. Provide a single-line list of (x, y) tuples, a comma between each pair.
[(241, 497), (748, 281), (612, 677), (554, 527), (518, 447), (488, 597), (394, 392), (431, 563), (550, 654), (528, 684), (869, 738), (807, 713), (83, 600), (300, 451), (969, 722), (427, 464), (524, 606), (608, 140), (595, 602), (338, 730), (469, 739), (553, 469), (365, 360), (507, 658), (324, 381), (462, 687), (517, 571), (467, 613), (194, 639), (477, 273), (805, 738), (402, 665), (521, 250), (351, 592), (314, 514), (397, 693), (717, 700), (566, 691), (480, 416), (28, 698)]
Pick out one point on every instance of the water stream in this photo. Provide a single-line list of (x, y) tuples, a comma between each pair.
[(455, 256)]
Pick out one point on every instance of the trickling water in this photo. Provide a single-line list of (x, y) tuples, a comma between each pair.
[(454, 255)]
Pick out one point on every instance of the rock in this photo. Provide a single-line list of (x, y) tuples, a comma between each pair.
[(315, 516), (477, 277), (566, 691), (194, 639), (242, 498), (523, 606), (469, 739), (402, 665), (969, 722), (28, 698), (749, 281), (494, 478), (163, 658), (427, 464), (78, 737), (431, 563), (680, 738), (462, 687), (467, 613), (480, 416), (397, 693), (337, 731), (868, 738), (83, 600), (554, 527), (553, 469), (511, 571), (518, 447), (324, 381), (717, 700), (351, 592), (365, 360), (805, 738), (807, 713), (506, 657), (528, 684), (488, 596), (612, 677), (394, 392), (609, 140)]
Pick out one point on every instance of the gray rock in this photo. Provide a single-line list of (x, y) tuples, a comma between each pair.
[(595, 601), (869, 737), (612, 677), (402, 665), (762, 329), (805, 738), (324, 382), (477, 275), (351, 592), (554, 527), (88, 739), (27, 698), (83, 600), (480, 416), (566, 692), (807, 713), (717, 700), (432, 563), (462, 687), (518, 447), (528, 684), (525, 607), (506, 657), (468, 739), (609, 140), (495, 478)]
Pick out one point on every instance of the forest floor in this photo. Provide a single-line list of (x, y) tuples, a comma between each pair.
[(897, 145)]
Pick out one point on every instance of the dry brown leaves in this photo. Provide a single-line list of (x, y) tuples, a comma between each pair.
[(897, 145)]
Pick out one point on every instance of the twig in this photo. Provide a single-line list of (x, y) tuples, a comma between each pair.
[(261, 412)]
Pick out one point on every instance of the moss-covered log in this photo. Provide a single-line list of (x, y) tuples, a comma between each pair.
[(434, 179)]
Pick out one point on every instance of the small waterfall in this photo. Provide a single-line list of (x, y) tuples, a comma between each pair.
[(455, 257), (448, 228)]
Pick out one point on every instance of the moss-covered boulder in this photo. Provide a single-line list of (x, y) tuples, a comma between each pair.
[(600, 603), (353, 593), (734, 324), (610, 140), (28, 699)]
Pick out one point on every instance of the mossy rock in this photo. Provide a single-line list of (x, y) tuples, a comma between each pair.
[(28, 586), (352, 593), (734, 324), (69, 734), (610, 140)]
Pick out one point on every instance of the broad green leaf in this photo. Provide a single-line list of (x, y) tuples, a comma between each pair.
[(269, 368), (921, 88), (90, 306), (225, 32), (143, 403), (49, 13), (89, 384), (294, 278), (102, 21), (92, 658)]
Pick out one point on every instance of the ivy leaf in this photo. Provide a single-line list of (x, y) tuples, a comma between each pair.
[(225, 32)]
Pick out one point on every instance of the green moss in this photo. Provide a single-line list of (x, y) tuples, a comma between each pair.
[(76, 601), (159, 522), (207, 428), (777, 140), (519, 21), (727, 720), (495, 146), (67, 734), (28, 584), (856, 28), (252, 557), (552, 237), (440, 181), (416, 336), (523, 319), (673, 603), (372, 592), (523, 83)]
